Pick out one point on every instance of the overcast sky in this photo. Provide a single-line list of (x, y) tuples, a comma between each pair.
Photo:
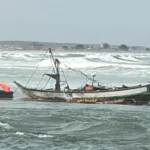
[(81, 21)]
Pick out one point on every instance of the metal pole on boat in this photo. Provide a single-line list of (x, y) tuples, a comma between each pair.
[(50, 51), (56, 76), (93, 76), (57, 62)]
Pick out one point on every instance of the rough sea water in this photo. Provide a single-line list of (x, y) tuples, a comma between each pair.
[(32, 125)]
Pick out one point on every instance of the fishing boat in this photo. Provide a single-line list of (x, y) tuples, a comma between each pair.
[(93, 93), (5, 92)]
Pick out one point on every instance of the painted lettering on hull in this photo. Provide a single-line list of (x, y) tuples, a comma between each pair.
[(102, 101)]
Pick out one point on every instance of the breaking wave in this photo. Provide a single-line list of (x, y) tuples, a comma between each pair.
[(5, 126), (100, 61)]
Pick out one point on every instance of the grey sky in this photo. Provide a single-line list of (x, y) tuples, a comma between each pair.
[(82, 21)]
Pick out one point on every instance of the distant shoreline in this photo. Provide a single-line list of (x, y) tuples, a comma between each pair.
[(103, 47)]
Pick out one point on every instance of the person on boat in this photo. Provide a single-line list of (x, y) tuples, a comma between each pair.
[(88, 87)]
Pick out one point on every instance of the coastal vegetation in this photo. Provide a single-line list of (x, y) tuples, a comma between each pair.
[(65, 47), (34, 45), (79, 46), (123, 47), (106, 46)]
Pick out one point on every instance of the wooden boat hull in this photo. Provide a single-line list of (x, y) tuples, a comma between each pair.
[(133, 95)]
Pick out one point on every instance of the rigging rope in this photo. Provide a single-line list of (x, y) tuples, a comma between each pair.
[(52, 62), (42, 78), (16, 90), (46, 72), (46, 83), (52, 58), (35, 69), (89, 78), (64, 77)]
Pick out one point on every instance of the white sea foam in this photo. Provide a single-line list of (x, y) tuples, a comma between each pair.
[(82, 63), (19, 55), (44, 136), (116, 57), (39, 136), (5, 125), (19, 133), (126, 63), (74, 63)]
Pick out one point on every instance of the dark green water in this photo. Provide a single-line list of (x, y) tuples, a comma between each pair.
[(43, 126), (26, 125)]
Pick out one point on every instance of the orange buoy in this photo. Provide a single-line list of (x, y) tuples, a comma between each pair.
[(5, 87)]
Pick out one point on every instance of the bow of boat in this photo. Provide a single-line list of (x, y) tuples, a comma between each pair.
[(19, 85)]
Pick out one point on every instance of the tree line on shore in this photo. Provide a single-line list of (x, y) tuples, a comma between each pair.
[(104, 46), (68, 46)]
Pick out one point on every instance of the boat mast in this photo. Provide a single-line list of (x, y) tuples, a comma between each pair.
[(57, 75), (57, 86)]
